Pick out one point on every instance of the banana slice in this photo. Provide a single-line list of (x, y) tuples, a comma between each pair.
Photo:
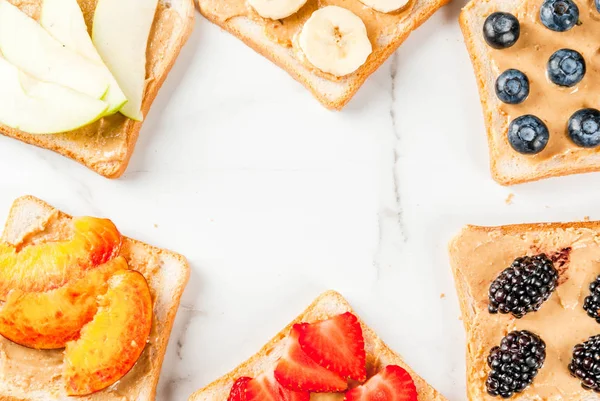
[(276, 9), (335, 40), (385, 6)]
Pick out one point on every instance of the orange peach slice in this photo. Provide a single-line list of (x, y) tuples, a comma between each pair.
[(48, 320), (112, 342), (43, 267)]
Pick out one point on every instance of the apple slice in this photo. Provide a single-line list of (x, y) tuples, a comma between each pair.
[(64, 20), (38, 107), (46, 266), (113, 341), (120, 34), (29, 47), (48, 320)]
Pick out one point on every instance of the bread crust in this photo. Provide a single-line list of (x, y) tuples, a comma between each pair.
[(482, 68), (146, 388), (474, 362), (304, 75), (318, 310), (115, 168)]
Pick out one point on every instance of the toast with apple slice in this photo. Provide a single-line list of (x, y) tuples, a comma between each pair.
[(106, 144), (153, 278), (321, 351)]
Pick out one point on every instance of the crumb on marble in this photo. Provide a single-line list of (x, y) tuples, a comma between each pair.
[(155, 225), (586, 218), (442, 295), (509, 199)]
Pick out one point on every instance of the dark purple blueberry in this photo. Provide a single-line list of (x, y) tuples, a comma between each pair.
[(501, 30), (528, 134)]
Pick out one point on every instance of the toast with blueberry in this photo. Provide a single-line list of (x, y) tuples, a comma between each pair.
[(530, 302), (326, 351), (534, 61), (330, 47)]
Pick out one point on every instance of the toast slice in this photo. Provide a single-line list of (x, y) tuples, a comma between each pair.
[(507, 166), (386, 31), (325, 306), (107, 145), (27, 374), (479, 254)]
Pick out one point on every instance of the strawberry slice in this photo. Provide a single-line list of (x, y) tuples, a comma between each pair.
[(263, 388), (336, 344), (391, 384), (238, 390), (297, 371)]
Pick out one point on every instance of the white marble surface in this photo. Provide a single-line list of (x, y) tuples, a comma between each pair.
[(274, 199)]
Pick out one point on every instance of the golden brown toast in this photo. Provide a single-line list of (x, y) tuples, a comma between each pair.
[(325, 306), (28, 374), (386, 31), (107, 145)]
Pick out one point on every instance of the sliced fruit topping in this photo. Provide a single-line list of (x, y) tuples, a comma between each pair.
[(336, 344), (335, 40), (48, 320), (113, 341), (392, 383), (276, 9), (263, 388), (43, 267), (299, 372)]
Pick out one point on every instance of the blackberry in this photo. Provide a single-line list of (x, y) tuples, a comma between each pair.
[(524, 286), (592, 301), (515, 363), (585, 364)]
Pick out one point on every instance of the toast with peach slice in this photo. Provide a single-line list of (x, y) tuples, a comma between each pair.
[(328, 326), (118, 350)]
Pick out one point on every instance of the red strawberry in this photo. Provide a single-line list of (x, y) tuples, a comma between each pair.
[(238, 390), (391, 384), (297, 371), (263, 388), (336, 344)]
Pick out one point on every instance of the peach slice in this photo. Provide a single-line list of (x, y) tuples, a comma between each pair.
[(48, 320), (112, 342), (43, 267)]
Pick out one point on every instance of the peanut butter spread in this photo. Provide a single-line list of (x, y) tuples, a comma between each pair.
[(552, 103), (381, 27), (480, 255), (36, 374), (108, 136)]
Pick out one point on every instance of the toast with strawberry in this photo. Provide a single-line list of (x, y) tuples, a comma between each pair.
[(328, 351)]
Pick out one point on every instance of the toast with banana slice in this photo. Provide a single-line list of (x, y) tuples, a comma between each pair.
[(62, 111), (331, 46), (141, 290), (319, 354)]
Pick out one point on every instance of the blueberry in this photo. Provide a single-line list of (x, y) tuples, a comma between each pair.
[(584, 128), (512, 87), (559, 15), (501, 30), (528, 134), (597, 5), (566, 67)]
